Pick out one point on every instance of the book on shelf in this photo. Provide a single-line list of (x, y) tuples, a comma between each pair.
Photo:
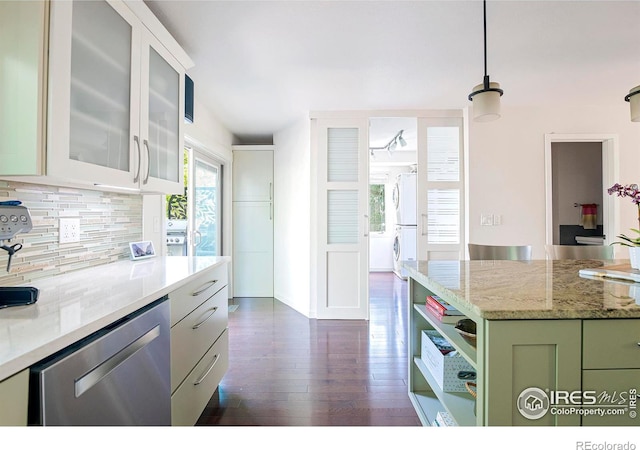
[(449, 319), (442, 306)]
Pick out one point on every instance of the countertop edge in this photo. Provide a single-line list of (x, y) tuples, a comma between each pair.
[(13, 366), (516, 314)]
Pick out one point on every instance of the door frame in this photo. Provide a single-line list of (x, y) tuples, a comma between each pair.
[(610, 166)]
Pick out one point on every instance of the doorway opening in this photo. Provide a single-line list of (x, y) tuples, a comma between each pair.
[(393, 143), (579, 168)]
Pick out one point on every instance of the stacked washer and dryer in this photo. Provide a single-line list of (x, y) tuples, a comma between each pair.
[(405, 240)]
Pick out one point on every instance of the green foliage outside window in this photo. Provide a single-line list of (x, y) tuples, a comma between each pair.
[(376, 208), (177, 204)]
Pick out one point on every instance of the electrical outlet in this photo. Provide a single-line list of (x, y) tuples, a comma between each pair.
[(69, 231)]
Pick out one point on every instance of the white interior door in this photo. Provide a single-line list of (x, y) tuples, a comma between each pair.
[(440, 189), (343, 222)]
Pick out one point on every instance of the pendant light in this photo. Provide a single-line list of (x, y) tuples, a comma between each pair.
[(486, 96), (634, 103)]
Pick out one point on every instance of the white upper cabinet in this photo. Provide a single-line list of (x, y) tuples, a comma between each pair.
[(115, 98), (161, 119), (23, 27), (252, 174)]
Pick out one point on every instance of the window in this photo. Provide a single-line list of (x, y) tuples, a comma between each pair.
[(376, 208)]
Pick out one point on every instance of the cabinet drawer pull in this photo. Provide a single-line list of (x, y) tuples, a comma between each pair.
[(204, 287), (201, 379), (199, 324)]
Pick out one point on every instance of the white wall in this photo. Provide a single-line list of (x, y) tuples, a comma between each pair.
[(292, 212), (506, 168)]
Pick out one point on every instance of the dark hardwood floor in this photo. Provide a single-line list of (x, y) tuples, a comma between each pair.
[(286, 369)]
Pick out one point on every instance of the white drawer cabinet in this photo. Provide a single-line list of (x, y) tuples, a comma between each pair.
[(199, 343), (191, 397), (191, 295), (191, 337)]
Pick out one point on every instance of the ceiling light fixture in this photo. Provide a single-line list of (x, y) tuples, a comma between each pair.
[(392, 144), (486, 96), (634, 103)]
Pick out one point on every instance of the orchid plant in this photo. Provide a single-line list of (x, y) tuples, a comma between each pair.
[(633, 192)]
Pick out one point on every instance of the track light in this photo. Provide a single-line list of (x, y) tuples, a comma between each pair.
[(392, 144), (403, 143), (486, 96), (634, 103)]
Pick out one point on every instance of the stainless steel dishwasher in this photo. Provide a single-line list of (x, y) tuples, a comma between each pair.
[(119, 375)]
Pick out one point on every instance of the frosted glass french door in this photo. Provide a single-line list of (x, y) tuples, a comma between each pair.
[(343, 222), (440, 189)]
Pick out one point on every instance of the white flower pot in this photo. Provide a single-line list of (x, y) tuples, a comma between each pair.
[(634, 257)]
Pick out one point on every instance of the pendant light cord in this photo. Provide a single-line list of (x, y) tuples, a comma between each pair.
[(486, 85), (484, 10), (484, 23)]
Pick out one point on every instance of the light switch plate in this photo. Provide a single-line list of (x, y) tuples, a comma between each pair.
[(69, 230), (486, 220)]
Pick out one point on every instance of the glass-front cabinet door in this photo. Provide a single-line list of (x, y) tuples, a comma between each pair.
[(161, 120), (116, 99), (93, 113)]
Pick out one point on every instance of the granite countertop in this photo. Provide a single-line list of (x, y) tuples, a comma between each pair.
[(538, 289), (72, 306)]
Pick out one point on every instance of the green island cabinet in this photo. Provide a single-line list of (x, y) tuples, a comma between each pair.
[(540, 326)]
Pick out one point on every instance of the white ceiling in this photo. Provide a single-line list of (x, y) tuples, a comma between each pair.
[(259, 65)]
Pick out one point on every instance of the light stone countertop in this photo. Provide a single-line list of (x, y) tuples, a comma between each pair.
[(539, 289), (74, 305)]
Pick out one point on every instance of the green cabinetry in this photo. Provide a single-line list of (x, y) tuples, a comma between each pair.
[(510, 356)]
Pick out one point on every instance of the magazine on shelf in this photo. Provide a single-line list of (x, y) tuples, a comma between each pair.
[(442, 306), (440, 342), (449, 319)]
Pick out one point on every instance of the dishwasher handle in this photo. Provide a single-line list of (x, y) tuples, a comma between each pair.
[(93, 377)]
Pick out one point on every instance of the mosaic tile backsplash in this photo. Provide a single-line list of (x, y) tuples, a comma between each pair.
[(108, 222)]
